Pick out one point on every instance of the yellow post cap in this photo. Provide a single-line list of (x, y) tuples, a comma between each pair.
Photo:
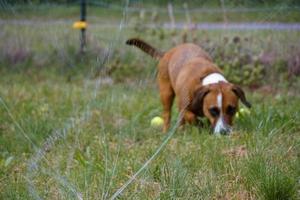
[(79, 25)]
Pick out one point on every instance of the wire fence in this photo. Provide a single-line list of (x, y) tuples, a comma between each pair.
[(197, 10)]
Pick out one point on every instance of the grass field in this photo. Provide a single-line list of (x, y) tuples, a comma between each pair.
[(67, 132), (101, 150)]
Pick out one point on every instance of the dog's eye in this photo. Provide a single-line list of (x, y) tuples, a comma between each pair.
[(214, 111), (231, 110)]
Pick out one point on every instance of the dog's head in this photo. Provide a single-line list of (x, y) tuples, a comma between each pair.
[(219, 103)]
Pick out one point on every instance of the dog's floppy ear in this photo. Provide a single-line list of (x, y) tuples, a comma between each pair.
[(241, 94), (196, 105)]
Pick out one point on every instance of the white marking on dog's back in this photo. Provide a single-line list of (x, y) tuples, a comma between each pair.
[(213, 78)]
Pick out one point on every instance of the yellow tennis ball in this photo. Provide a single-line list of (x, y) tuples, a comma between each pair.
[(157, 122), (242, 112)]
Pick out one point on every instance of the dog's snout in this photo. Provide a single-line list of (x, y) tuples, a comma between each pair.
[(225, 131), (222, 128)]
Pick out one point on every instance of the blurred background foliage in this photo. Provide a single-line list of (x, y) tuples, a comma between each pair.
[(251, 57), (165, 2)]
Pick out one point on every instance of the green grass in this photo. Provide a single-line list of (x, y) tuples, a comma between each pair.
[(269, 181), (98, 153), (71, 125)]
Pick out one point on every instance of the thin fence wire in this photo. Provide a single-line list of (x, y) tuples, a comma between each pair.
[(199, 9), (60, 134), (147, 162)]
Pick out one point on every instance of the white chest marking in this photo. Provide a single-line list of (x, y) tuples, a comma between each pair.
[(213, 78)]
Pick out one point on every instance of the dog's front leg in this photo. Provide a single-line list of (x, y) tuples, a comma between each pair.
[(189, 117)]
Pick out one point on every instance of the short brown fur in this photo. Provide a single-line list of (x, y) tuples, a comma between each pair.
[(180, 74)]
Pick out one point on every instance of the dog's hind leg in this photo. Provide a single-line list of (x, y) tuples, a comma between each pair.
[(167, 97)]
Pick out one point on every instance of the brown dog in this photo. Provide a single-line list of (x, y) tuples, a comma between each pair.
[(201, 90)]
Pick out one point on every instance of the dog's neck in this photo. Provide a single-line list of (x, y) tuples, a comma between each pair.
[(213, 78)]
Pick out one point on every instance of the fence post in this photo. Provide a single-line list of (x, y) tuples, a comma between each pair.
[(83, 29)]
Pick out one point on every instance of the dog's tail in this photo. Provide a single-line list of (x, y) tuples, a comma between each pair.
[(147, 48)]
